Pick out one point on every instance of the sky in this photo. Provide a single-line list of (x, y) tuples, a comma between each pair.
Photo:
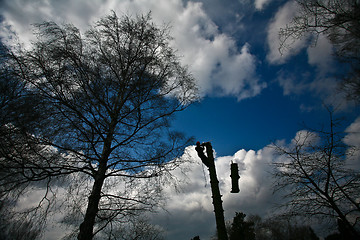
[(251, 94)]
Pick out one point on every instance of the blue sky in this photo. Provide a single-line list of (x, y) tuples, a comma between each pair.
[(294, 91), (251, 94)]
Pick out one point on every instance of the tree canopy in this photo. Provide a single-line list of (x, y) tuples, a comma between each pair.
[(317, 178), (339, 21), (101, 105)]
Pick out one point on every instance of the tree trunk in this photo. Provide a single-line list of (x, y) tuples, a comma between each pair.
[(87, 226), (216, 196), (345, 227)]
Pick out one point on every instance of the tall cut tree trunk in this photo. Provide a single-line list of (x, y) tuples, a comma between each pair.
[(216, 196), (209, 161)]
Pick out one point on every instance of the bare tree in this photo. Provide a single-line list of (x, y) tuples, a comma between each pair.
[(135, 228), (12, 227), (316, 180), (277, 228), (339, 21), (241, 229), (106, 101)]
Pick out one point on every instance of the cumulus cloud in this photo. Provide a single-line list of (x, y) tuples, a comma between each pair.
[(220, 67), (260, 4), (291, 84), (321, 85), (319, 50), (320, 55), (352, 139), (305, 138), (319, 81), (283, 16), (190, 210)]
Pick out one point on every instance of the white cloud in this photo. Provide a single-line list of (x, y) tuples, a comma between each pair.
[(260, 4), (218, 65), (188, 206), (190, 211), (291, 84), (320, 55), (283, 16), (319, 85), (305, 138), (319, 52), (213, 57), (353, 139)]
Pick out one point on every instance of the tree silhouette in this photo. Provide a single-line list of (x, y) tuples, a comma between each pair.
[(316, 178), (279, 228), (339, 21), (105, 100), (15, 228), (241, 229)]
